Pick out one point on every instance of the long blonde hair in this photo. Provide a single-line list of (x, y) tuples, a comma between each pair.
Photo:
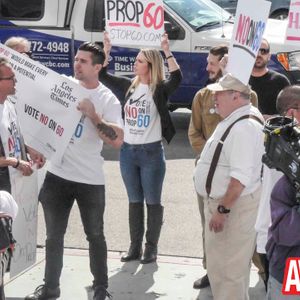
[(156, 66)]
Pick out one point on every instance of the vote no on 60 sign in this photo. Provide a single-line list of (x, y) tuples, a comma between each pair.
[(135, 22)]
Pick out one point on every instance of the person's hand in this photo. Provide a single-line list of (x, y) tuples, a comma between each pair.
[(217, 222), (38, 158), (223, 64), (106, 43), (87, 108), (165, 45), (25, 168)]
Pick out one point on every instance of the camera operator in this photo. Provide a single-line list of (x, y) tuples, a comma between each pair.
[(284, 238)]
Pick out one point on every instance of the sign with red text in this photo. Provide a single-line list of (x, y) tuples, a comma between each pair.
[(249, 26), (292, 36), (291, 280), (135, 22), (46, 104)]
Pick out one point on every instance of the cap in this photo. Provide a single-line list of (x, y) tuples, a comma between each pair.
[(229, 82), (8, 205)]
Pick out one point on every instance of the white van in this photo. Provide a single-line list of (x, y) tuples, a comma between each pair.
[(57, 27)]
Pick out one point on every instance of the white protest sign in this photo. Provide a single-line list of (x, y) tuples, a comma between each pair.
[(25, 192), (292, 36), (135, 22), (46, 104), (250, 23)]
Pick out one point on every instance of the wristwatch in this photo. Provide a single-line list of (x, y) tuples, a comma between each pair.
[(223, 210)]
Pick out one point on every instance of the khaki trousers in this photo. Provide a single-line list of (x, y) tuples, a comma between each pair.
[(202, 216), (229, 253)]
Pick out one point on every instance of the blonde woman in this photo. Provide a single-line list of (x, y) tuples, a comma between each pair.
[(142, 160)]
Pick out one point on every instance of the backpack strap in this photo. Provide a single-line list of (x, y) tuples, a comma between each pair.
[(218, 150)]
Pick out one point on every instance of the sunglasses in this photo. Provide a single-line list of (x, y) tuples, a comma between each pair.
[(28, 53), (264, 51)]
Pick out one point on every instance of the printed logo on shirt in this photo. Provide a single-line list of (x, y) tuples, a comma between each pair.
[(291, 281), (79, 129), (14, 142), (137, 114)]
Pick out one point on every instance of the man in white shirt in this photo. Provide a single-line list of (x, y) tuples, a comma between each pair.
[(80, 176), (231, 189)]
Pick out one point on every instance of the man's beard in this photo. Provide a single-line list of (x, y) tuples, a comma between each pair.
[(215, 78), (260, 65)]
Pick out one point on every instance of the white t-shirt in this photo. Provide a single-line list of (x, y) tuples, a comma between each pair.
[(82, 161), (11, 137), (142, 120), (263, 220), (240, 157)]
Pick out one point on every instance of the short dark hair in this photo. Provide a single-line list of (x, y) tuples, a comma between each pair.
[(98, 55), (220, 51), (288, 98)]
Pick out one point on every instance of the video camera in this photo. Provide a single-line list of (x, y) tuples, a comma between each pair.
[(282, 145)]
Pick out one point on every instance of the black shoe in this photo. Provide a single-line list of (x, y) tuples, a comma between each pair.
[(134, 253), (101, 293), (42, 292), (201, 283), (150, 255)]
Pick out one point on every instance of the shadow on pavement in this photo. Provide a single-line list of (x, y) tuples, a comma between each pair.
[(133, 280)]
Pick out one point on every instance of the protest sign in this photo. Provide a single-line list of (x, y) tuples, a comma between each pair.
[(25, 192), (135, 22), (46, 103), (250, 23), (292, 36)]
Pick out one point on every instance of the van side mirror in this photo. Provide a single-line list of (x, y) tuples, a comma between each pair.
[(171, 30)]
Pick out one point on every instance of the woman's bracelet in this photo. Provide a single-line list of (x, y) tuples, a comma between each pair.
[(170, 56), (17, 164)]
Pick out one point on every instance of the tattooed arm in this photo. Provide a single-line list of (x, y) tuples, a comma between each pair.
[(110, 133)]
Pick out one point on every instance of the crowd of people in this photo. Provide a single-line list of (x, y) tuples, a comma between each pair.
[(234, 190)]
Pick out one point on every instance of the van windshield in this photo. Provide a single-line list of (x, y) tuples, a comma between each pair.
[(199, 14)]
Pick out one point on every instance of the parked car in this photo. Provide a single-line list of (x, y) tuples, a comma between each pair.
[(279, 8)]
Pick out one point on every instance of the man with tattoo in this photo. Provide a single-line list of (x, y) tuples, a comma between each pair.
[(80, 176)]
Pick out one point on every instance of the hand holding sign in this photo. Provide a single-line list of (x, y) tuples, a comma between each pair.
[(38, 158), (165, 44), (106, 47), (88, 109)]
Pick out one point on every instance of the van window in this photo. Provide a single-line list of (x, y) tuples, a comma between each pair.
[(174, 30), (94, 19), (20, 9), (199, 14)]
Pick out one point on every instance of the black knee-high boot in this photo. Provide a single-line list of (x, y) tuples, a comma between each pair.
[(136, 229), (154, 223)]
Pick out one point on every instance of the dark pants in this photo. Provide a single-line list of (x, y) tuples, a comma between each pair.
[(57, 197), (4, 262)]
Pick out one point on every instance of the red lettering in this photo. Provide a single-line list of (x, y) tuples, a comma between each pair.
[(291, 281), (11, 144), (293, 20), (240, 28)]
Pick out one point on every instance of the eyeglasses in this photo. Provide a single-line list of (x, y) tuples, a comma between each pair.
[(9, 78), (28, 53), (264, 51)]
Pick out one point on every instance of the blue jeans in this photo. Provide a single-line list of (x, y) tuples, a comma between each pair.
[(57, 196), (143, 169), (274, 290)]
